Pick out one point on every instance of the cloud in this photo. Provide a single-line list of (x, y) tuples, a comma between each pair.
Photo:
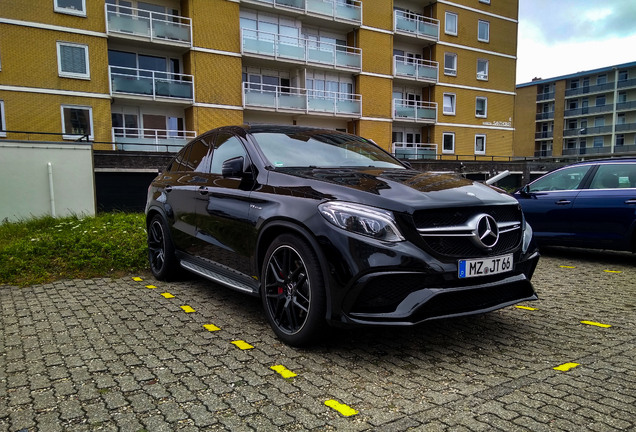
[(561, 21)]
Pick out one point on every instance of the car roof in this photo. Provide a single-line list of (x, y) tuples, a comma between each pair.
[(604, 161)]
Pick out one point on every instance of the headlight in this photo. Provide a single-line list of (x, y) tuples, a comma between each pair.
[(361, 219), (527, 235)]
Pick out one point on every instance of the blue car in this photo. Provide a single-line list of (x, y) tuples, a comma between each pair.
[(589, 204)]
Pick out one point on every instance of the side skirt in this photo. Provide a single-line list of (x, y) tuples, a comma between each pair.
[(219, 274)]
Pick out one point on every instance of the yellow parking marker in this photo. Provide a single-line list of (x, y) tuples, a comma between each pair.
[(242, 345), (283, 371), (526, 308), (567, 267), (187, 309), (211, 327), (167, 295), (612, 271), (597, 324), (137, 279), (566, 367), (341, 408), (151, 286)]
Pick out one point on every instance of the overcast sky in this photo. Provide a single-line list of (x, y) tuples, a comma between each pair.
[(560, 37)]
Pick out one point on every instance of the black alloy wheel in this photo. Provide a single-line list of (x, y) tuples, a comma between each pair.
[(293, 291), (163, 262)]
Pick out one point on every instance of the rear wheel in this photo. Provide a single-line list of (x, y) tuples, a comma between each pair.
[(293, 291), (163, 262)]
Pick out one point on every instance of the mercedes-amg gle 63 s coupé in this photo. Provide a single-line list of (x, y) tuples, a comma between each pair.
[(328, 228)]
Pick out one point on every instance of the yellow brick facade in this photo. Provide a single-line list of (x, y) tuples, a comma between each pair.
[(215, 64)]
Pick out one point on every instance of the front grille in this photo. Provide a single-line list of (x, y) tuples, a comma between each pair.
[(458, 247)]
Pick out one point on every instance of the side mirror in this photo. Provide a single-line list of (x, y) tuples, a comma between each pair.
[(525, 191), (233, 167)]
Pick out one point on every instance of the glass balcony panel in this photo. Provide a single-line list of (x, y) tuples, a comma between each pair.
[(169, 30), (174, 89), (320, 103), (347, 59), (292, 101), (320, 55), (257, 46), (348, 107), (122, 23), (132, 84), (414, 111), (405, 24), (291, 51), (260, 98), (322, 7), (427, 72), (416, 25), (348, 11), (296, 4), (428, 29), (426, 113), (147, 24), (405, 69), (129, 139)]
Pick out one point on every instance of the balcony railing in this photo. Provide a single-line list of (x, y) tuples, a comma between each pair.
[(419, 26), (338, 10), (543, 135), (153, 26), (626, 127), (157, 85), (402, 150), (595, 130), (590, 89), (158, 140), (588, 110), (618, 149), (301, 100), (281, 47), (412, 111), (545, 96), (626, 83), (625, 105), (545, 115), (417, 69)]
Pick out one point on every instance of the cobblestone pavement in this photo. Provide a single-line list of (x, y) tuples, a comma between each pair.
[(116, 355)]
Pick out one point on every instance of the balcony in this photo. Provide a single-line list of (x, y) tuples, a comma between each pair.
[(155, 140), (600, 88), (149, 84), (595, 130), (619, 149), (412, 111), (620, 106), (626, 83), (286, 48), (545, 116), (545, 96), (348, 11), (300, 100), (543, 135), (419, 26), (588, 110), (129, 22), (402, 150), (625, 127), (415, 69)]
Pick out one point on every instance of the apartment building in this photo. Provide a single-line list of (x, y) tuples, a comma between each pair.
[(420, 78), (586, 113)]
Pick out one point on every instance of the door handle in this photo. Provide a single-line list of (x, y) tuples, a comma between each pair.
[(168, 188), (203, 190), (630, 201), (563, 202)]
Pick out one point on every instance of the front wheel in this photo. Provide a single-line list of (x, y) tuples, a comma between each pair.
[(163, 262), (293, 290)]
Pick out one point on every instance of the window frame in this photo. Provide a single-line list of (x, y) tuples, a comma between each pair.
[(479, 24), (448, 14), (485, 114), (453, 99), (64, 74), (480, 136), (483, 77), (69, 11), (3, 125), (449, 71), (444, 135), (71, 136)]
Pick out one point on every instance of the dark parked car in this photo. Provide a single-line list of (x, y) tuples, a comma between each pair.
[(329, 228), (588, 204)]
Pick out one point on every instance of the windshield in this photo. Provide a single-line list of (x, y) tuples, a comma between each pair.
[(322, 150)]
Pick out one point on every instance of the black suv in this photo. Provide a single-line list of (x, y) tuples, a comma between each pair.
[(329, 228)]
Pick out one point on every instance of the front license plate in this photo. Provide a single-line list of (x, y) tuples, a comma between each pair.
[(485, 266)]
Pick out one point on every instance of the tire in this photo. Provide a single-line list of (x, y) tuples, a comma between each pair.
[(293, 291), (163, 261)]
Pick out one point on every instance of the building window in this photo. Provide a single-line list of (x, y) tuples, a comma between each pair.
[(3, 126), (600, 100), (449, 104), (483, 33), (77, 122), (450, 24), (620, 140), (450, 64), (480, 144), (622, 97), (482, 69), (73, 7), (448, 142), (598, 141), (72, 60), (601, 79), (623, 75), (481, 107)]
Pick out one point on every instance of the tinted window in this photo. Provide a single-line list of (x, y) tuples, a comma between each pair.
[(307, 149), (614, 176), (227, 147), (193, 157), (565, 179), (180, 159)]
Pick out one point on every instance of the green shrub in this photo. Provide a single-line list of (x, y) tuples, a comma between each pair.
[(45, 249)]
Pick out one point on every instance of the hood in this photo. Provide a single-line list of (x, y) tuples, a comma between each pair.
[(399, 190)]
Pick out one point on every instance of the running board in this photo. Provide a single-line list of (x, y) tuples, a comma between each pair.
[(216, 277)]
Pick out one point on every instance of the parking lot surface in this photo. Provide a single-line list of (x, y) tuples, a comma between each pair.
[(141, 355)]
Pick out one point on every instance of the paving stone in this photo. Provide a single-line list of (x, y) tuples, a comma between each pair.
[(111, 355)]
